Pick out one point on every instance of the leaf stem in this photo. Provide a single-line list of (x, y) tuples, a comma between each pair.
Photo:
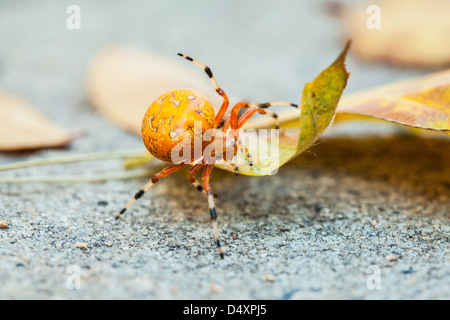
[(135, 153), (121, 175)]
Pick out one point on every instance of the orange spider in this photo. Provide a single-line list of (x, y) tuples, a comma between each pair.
[(179, 118)]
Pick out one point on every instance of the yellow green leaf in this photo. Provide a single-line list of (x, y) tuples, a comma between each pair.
[(401, 32), (318, 106), (319, 101)]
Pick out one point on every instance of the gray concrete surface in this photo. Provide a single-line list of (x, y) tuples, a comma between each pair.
[(308, 228)]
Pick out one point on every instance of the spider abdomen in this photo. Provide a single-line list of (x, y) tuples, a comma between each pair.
[(174, 122)]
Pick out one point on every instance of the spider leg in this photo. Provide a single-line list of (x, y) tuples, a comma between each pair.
[(235, 122), (219, 90), (212, 208), (250, 112), (191, 174), (225, 122), (247, 154), (164, 173), (272, 103), (253, 108), (232, 120), (235, 168), (266, 105)]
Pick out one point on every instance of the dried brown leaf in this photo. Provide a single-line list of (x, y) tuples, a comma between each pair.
[(23, 128), (422, 102)]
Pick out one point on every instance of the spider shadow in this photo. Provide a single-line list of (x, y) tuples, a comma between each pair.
[(419, 165), (413, 167)]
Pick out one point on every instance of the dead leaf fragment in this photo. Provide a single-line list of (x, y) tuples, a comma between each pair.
[(422, 102), (3, 225), (216, 288), (82, 246), (411, 32), (23, 128), (123, 82)]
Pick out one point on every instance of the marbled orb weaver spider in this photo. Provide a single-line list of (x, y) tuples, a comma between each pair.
[(178, 110)]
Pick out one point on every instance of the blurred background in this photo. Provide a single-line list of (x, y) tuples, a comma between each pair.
[(258, 50)]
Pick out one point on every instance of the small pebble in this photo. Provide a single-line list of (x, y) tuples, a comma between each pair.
[(391, 257), (108, 243), (3, 224), (268, 278), (216, 288), (374, 223)]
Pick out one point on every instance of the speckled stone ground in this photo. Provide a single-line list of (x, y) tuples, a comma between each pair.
[(307, 229)]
